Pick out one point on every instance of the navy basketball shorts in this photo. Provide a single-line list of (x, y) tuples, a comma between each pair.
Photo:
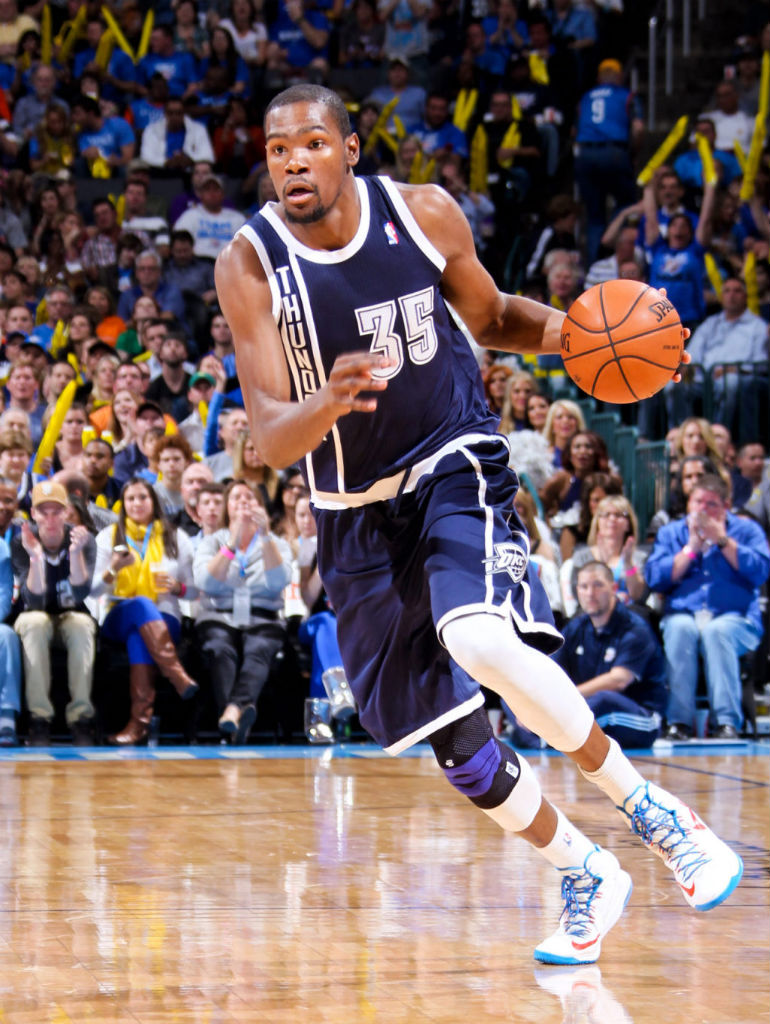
[(396, 572)]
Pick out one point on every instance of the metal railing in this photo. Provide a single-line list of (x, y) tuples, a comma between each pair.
[(665, 19)]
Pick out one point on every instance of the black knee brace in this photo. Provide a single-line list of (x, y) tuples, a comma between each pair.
[(475, 761)]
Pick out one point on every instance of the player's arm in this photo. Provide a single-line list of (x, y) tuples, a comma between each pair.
[(509, 323), (282, 430)]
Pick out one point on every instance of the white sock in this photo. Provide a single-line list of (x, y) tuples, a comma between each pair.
[(617, 777), (569, 847)]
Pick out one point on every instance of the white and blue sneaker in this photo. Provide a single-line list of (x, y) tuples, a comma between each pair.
[(594, 897), (705, 868)]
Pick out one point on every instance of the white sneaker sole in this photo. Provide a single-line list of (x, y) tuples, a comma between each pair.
[(614, 905), (727, 891)]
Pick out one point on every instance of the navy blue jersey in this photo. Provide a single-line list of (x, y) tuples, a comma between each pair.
[(380, 292)]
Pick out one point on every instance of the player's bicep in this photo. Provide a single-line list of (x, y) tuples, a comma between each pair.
[(246, 301), (465, 284)]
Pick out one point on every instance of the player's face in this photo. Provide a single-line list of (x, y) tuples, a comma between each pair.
[(308, 159)]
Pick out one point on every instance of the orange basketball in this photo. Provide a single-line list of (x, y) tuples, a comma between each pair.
[(621, 341)]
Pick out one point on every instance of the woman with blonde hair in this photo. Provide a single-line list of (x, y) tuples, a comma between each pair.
[(144, 567), (102, 390), (613, 539), (248, 466), (563, 421), (520, 387)]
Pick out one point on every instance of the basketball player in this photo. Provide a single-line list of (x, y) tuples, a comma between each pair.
[(349, 356)]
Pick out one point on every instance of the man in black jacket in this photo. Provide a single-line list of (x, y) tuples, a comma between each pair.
[(54, 564)]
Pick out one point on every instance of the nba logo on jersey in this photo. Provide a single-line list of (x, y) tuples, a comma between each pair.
[(390, 232)]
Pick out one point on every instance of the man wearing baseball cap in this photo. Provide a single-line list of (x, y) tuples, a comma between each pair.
[(210, 222), (55, 563), (609, 128)]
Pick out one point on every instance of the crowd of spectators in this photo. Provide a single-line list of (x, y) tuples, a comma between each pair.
[(137, 515)]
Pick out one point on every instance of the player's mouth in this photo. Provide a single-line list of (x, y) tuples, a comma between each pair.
[(298, 192)]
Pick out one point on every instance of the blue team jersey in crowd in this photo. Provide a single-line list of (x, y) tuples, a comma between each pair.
[(605, 114), (380, 292)]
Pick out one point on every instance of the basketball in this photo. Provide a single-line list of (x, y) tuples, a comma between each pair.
[(621, 341)]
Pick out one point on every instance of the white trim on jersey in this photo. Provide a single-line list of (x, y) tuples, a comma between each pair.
[(319, 367), (489, 519), (388, 487), (322, 255), (418, 235), (251, 235), (447, 718)]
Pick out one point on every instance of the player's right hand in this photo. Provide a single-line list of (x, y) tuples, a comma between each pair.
[(351, 374)]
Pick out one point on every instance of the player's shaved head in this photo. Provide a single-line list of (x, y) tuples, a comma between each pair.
[(306, 93)]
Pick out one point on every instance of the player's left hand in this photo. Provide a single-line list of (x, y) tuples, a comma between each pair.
[(677, 378)]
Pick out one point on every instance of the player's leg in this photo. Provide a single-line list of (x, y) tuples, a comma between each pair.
[(504, 786), (543, 697)]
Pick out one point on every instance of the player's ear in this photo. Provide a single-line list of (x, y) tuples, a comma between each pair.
[(352, 149)]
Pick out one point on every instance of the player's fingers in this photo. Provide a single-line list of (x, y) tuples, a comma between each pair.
[(686, 357)]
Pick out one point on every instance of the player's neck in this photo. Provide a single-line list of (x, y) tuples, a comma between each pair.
[(337, 227)]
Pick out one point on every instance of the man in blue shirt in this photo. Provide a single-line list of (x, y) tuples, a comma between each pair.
[(689, 165), (176, 66), (110, 138), (615, 661), (609, 126), (439, 137), (710, 566)]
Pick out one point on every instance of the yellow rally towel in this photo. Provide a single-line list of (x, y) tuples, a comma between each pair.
[(136, 579)]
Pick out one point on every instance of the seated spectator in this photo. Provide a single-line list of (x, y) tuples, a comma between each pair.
[(189, 34), (298, 46), (176, 66), (109, 326), (135, 457), (30, 109), (148, 269), (68, 452), (248, 32), (241, 572), (696, 437), (52, 147), (223, 59), (10, 655), (748, 478), (290, 489), (15, 451), (585, 452), (731, 124), (709, 567), (613, 540), (145, 309), (81, 510), (689, 166), (176, 142), (615, 660), (496, 381), (625, 251), (144, 566), (593, 488), (211, 224), (690, 470), (210, 508), (103, 382), (478, 209), (106, 139), (537, 412), (563, 421), (199, 392), (232, 423), (248, 466), (513, 415), (362, 36), (196, 475), (120, 424), (54, 563), (411, 97), (318, 629), (172, 384), (138, 218), (23, 387), (440, 138), (734, 336), (174, 455), (542, 553), (185, 270)]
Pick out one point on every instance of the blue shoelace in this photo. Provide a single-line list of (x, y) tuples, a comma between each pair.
[(668, 835)]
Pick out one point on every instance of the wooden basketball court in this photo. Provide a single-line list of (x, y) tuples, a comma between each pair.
[(208, 887)]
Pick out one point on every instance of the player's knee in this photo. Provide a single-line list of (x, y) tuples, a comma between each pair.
[(475, 643), (474, 761)]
